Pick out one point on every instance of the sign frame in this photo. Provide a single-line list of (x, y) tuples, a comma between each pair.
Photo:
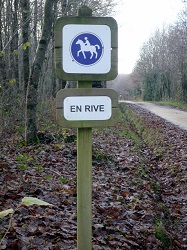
[(62, 94), (58, 33)]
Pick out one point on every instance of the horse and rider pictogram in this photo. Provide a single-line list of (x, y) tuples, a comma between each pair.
[(86, 49), (86, 46)]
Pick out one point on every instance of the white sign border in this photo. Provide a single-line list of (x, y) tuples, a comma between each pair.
[(86, 115), (69, 32)]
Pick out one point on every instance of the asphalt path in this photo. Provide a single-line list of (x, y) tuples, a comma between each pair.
[(170, 114)]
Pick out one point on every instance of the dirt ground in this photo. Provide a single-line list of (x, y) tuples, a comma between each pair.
[(139, 190)]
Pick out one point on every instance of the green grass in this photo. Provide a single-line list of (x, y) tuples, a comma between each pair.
[(141, 131), (180, 105), (162, 235)]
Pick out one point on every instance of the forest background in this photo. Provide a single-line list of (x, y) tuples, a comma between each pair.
[(28, 85), (160, 73)]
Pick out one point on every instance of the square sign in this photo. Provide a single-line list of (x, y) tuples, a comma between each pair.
[(87, 49)]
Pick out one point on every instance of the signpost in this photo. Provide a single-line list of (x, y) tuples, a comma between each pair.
[(85, 51), (86, 47)]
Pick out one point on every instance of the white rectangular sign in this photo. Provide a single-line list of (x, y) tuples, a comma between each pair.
[(80, 108)]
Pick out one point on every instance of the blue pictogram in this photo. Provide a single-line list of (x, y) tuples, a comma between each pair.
[(86, 49)]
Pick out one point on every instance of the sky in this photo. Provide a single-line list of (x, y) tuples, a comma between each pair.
[(137, 20)]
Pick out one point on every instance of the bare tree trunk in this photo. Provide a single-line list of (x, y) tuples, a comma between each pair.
[(2, 61), (14, 43), (32, 90), (25, 4)]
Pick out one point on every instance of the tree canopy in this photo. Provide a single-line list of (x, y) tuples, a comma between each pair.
[(162, 67)]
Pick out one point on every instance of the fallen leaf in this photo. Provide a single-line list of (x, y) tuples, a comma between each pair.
[(29, 201), (6, 212)]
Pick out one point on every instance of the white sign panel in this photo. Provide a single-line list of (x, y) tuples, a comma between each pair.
[(79, 108), (86, 49)]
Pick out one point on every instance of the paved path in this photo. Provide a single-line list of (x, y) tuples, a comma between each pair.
[(172, 115)]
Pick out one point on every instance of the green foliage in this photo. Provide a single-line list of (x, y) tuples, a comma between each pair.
[(70, 138), (25, 45), (99, 156), (161, 69), (149, 87), (139, 131), (132, 123), (12, 81), (63, 180), (180, 105), (162, 235), (23, 167), (2, 53), (38, 167), (23, 161), (156, 186), (47, 176), (156, 86), (15, 52)]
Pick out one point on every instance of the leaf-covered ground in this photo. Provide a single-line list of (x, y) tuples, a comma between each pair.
[(139, 187)]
